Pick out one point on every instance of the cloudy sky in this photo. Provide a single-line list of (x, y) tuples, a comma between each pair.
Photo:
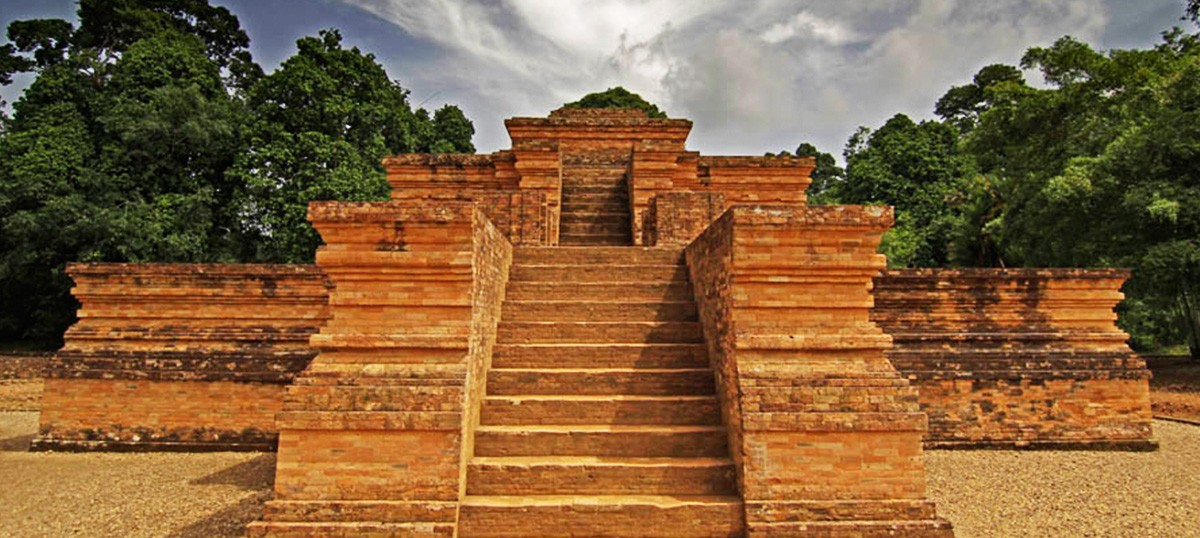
[(754, 76)]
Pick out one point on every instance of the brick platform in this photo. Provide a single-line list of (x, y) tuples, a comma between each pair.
[(595, 333), (179, 357), (1027, 358)]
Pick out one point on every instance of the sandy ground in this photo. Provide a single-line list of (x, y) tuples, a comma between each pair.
[(1073, 494), (134, 495), (984, 493)]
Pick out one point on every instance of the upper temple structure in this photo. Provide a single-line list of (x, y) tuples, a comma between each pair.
[(596, 333)]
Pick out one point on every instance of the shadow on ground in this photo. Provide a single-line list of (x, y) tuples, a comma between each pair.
[(19, 443), (253, 474), (255, 477), (230, 521)]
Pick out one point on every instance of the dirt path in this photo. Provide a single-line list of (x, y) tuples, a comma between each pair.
[(1175, 387)]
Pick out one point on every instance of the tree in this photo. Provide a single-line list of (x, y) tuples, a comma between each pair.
[(1099, 170), (617, 97), (117, 151), (148, 135), (827, 177), (322, 123), (962, 105), (918, 168), (452, 131)]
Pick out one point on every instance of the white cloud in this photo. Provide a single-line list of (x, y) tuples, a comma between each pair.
[(755, 77), (807, 25)]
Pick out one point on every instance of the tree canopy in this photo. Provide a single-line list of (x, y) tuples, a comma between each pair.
[(1096, 169), (617, 97), (150, 135)]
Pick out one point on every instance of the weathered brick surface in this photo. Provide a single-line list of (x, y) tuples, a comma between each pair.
[(23, 365), (815, 411), (745, 180), (601, 410), (677, 218), (178, 357), (490, 180), (156, 415), (588, 176), (1017, 357), (386, 413)]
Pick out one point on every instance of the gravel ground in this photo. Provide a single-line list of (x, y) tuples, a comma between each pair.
[(998, 494), (129, 495), (992, 494)]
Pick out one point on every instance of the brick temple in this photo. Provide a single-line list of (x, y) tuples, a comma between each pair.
[(595, 333)]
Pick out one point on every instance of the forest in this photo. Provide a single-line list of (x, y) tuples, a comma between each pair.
[(150, 135)]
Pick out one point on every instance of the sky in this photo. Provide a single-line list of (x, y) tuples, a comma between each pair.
[(754, 76)]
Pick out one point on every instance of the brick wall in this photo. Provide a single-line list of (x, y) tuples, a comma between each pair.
[(737, 180), (825, 434), (677, 218), (179, 357), (23, 365), (122, 414), (1017, 357), (490, 180), (379, 427)]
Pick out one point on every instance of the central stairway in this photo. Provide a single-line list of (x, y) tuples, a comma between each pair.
[(601, 417), (595, 199)]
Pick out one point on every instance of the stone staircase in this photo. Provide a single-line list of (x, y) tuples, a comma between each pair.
[(601, 417), (595, 200)]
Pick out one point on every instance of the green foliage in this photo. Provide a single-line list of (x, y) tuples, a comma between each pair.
[(322, 123), (1100, 170), (827, 177), (115, 25), (918, 168), (149, 135), (962, 105), (452, 131), (617, 97)]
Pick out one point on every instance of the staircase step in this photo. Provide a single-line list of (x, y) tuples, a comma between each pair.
[(599, 356), (585, 208), (603, 409), (601, 440), (645, 382), (598, 311), (605, 240), (597, 255), (610, 227), (600, 191), (598, 291), (339, 511), (591, 216), (595, 227), (615, 175), (616, 332), (601, 516), (930, 528), (597, 273), (287, 529), (580, 475)]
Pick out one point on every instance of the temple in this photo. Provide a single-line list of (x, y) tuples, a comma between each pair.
[(596, 333)]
